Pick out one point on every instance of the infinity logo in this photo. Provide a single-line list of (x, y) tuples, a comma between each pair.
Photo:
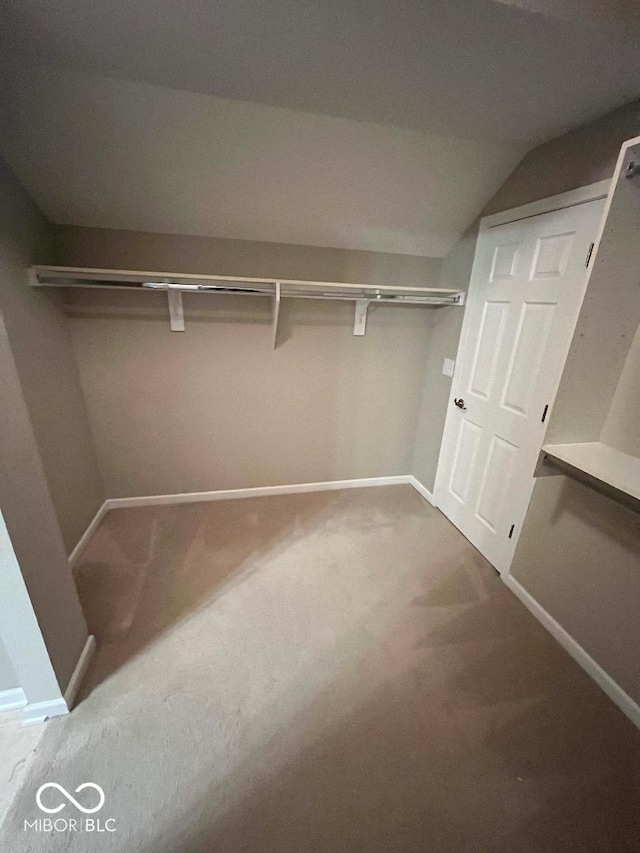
[(69, 797)]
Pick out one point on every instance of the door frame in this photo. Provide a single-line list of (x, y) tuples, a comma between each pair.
[(581, 195), (561, 201)]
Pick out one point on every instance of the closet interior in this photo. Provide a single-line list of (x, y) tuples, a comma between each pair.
[(319, 426), (355, 390)]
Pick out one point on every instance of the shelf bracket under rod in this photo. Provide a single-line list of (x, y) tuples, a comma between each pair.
[(360, 320), (176, 312), (276, 314)]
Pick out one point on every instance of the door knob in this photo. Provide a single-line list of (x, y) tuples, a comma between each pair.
[(459, 402)]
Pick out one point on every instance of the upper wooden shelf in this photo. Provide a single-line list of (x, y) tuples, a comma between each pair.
[(600, 463)]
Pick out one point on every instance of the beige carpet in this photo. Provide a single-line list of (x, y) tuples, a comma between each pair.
[(337, 672)]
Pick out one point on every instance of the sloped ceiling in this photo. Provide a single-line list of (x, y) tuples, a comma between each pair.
[(111, 153), (380, 125)]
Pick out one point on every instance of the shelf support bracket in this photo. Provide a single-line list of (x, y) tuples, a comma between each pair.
[(176, 313), (360, 320), (276, 314)]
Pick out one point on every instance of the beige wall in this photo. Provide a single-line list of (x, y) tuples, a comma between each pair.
[(622, 426), (107, 247), (45, 455), (39, 600), (41, 346), (215, 407), (579, 557), (578, 158)]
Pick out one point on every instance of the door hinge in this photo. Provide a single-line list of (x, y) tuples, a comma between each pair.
[(544, 414), (589, 253), (513, 527)]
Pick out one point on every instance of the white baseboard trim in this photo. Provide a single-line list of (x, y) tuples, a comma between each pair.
[(80, 671), (613, 690), (75, 555), (422, 490), (232, 494), (39, 712), (12, 699), (257, 492)]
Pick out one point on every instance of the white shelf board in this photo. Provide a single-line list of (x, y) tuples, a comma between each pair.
[(606, 464), (52, 276)]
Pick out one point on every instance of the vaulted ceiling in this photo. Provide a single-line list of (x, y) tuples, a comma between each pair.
[(374, 124)]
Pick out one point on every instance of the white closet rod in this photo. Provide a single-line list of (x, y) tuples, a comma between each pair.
[(292, 293)]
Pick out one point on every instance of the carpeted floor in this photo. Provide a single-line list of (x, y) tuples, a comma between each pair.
[(337, 672)]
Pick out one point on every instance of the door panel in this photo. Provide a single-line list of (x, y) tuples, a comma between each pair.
[(525, 293), (532, 335), (465, 457), (504, 261), (488, 347), (498, 470), (551, 256)]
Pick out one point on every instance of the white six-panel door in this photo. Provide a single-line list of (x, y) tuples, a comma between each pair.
[(524, 297)]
